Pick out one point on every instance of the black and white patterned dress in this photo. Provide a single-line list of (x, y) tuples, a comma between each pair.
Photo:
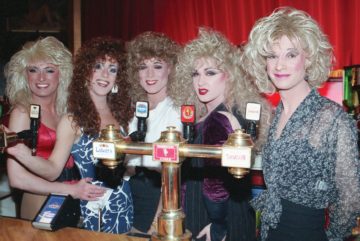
[(314, 163), (117, 213)]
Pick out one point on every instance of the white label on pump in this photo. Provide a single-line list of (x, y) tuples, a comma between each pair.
[(236, 157), (35, 111), (104, 150), (253, 111), (142, 109)]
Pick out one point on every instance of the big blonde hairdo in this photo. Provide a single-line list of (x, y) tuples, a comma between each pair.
[(297, 26), (48, 49), (239, 90), (145, 46)]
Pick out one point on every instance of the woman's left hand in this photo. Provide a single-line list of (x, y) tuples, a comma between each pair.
[(206, 232), (84, 190)]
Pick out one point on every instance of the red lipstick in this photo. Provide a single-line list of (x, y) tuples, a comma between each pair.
[(203, 91)]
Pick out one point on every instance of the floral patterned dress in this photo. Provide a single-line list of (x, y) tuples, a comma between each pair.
[(314, 163), (117, 210)]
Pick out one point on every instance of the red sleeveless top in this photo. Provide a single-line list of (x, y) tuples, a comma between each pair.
[(45, 144)]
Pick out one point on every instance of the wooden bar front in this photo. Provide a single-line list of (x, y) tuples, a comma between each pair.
[(21, 230)]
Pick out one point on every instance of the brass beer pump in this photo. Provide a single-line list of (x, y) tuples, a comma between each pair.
[(170, 150)]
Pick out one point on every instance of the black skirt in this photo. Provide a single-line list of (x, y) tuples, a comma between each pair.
[(240, 215), (299, 223), (146, 192)]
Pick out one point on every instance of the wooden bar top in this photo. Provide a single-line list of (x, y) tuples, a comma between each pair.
[(12, 229)]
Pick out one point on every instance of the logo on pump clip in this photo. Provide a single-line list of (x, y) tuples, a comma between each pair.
[(187, 114)]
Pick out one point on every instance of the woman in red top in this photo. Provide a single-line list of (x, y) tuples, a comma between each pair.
[(40, 74)]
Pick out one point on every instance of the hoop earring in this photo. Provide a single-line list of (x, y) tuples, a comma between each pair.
[(114, 89)]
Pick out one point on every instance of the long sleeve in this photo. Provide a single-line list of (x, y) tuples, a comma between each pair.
[(215, 132), (216, 194), (346, 208)]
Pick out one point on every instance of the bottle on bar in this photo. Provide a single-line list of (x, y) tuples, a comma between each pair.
[(348, 91)]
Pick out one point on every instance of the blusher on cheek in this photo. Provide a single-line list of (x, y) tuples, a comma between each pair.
[(300, 65), (224, 77)]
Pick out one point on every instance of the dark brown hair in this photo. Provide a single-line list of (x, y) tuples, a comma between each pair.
[(80, 104)]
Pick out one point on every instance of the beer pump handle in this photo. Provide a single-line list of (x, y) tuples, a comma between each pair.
[(141, 113), (31, 134), (188, 120), (252, 116), (34, 126)]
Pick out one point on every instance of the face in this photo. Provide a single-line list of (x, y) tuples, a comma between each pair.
[(209, 82), (153, 75), (286, 64), (43, 78), (103, 76)]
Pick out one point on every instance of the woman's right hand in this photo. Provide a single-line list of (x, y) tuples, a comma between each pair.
[(206, 232), (84, 190), (20, 151)]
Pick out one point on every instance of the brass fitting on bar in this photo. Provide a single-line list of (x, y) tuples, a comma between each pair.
[(241, 140), (7, 138), (168, 150), (111, 134)]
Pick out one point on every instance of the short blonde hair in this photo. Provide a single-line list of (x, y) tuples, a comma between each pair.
[(297, 26), (48, 49)]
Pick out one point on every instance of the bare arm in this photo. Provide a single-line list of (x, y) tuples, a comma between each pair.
[(22, 178), (48, 169)]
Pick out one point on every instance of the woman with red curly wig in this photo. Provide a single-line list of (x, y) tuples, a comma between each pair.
[(97, 97)]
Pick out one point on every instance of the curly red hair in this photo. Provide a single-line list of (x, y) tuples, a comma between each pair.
[(80, 104)]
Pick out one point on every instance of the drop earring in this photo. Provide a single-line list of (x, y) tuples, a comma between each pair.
[(114, 89)]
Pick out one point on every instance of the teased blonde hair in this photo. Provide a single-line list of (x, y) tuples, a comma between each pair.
[(47, 49), (239, 90), (297, 26)]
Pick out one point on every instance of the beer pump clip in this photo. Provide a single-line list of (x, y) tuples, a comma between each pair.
[(188, 120), (141, 113), (252, 115), (34, 126), (31, 134)]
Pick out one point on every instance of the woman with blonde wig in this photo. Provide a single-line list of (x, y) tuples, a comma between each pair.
[(40, 74), (311, 158), (98, 96), (209, 76)]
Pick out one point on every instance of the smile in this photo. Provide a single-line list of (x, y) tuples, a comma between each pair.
[(102, 83), (42, 86), (151, 82)]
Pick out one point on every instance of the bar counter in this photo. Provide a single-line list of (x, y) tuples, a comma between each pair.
[(12, 229)]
